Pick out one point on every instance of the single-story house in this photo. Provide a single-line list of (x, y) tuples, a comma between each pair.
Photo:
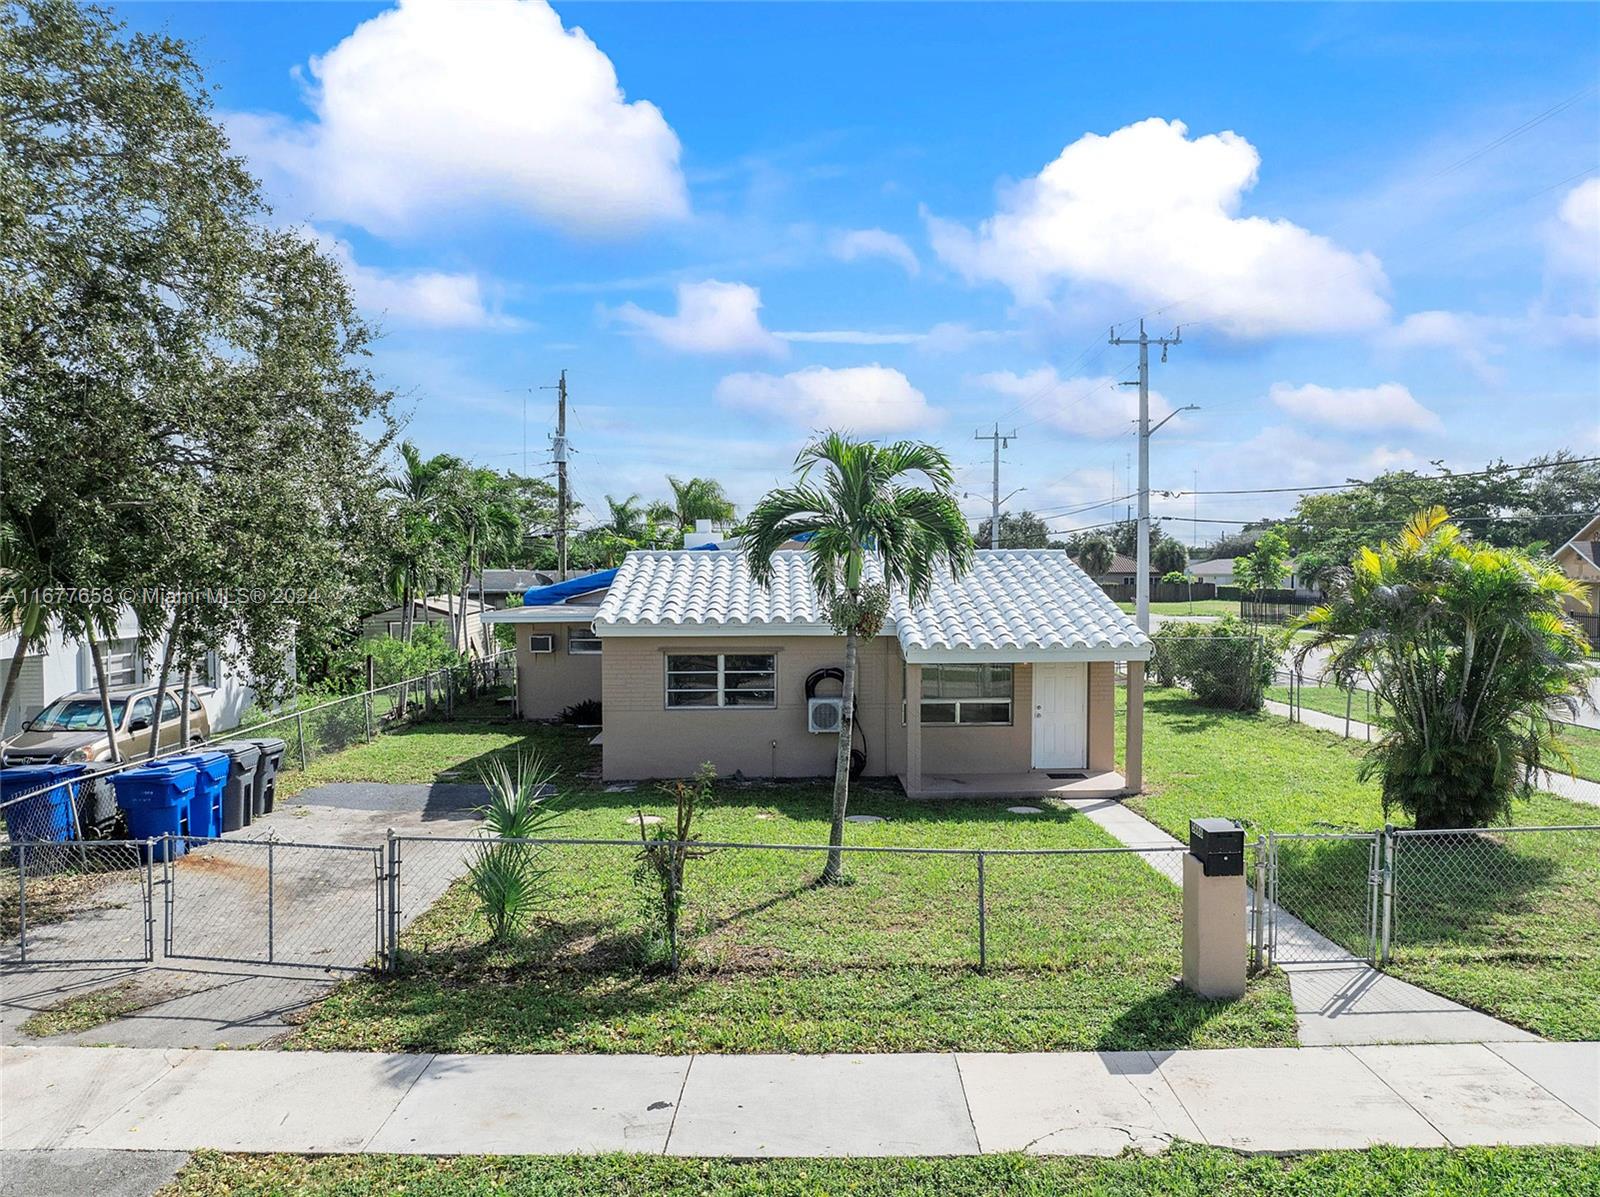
[(1002, 682), (436, 609), (1579, 559), (1124, 571), (1219, 572)]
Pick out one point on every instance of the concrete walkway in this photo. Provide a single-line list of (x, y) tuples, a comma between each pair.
[(1337, 1000), (1563, 785), (1089, 1103)]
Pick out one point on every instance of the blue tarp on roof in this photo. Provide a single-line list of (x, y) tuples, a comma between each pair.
[(560, 592)]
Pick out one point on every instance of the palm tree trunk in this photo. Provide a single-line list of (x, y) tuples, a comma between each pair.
[(161, 688), (99, 660), (841, 765), (13, 672)]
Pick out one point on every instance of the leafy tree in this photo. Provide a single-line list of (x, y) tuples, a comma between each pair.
[(1169, 556), (1095, 556), (699, 499), (1266, 566), (162, 341), (853, 497), (1176, 578), (1018, 530), (1468, 647)]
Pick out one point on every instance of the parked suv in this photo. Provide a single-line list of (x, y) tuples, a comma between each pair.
[(73, 729)]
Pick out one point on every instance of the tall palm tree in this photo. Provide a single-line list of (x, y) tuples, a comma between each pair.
[(1095, 556), (699, 499), (627, 518), (418, 491), (482, 515), (1469, 647), (854, 501)]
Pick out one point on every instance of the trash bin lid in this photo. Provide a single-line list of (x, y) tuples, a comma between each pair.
[(19, 779), (246, 749), (266, 743), (168, 769), (210, 761)]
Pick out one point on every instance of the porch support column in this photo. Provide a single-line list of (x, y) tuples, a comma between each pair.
[(1133, 749), (913, 709)]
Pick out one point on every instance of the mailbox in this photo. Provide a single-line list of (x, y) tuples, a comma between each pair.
[(1218, 844)]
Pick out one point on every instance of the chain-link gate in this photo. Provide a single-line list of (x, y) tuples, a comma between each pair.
[(77, 902), (1325, 897), (274, 902)]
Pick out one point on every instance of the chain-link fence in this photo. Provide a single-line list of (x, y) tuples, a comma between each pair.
[(757, 907), (1322, 901), (77, 903)]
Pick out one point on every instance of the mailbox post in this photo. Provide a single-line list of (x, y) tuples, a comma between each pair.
[(1213, 909)]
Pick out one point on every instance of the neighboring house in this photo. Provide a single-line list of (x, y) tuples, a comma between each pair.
[(558, 654), (1001, 683), (65, 666), (1124, 571), (1579, 559), (495, 586), (1219, 572), (438, 609)]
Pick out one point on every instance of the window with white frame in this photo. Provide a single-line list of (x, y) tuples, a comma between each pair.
[(722, 680), (121, 662), (966, 695), (581, 641)]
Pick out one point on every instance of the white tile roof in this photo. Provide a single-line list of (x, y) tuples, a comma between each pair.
[(1014, 604)]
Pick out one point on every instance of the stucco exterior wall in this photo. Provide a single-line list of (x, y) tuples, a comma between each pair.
[(548, 682), (645, 738), (1102, 715)]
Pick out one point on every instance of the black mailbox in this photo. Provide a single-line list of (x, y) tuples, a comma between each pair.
[(1218, 844)]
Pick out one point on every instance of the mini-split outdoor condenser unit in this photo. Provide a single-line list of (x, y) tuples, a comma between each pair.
[(541, 644), (824, 714)]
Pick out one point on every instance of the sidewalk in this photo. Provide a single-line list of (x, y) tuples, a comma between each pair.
[(1088, 1103)]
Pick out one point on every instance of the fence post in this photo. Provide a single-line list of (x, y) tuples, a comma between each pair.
[(166, 894), (369, 714), (392, 923), (270, 888), (149, 909), (22, 903), (1390, 843), (300, 734), (983, 920), (1259, 931), (1349, 697)]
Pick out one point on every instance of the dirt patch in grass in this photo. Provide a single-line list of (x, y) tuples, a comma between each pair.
[(95, 1007)]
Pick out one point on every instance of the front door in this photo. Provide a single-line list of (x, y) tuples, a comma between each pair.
[(1061, 715)]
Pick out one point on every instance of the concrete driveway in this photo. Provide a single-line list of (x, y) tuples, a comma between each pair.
[(235, 975)]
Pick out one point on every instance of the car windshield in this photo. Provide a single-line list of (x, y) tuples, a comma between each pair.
[(77, 714)]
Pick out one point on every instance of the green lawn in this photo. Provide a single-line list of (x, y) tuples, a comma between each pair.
[(1198, 607), (1082, 950), (1185, 1169), (1509, 924)]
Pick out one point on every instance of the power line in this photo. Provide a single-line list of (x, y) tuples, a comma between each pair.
[(1485, 473)]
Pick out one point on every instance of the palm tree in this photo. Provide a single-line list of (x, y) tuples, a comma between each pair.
[(481, 512), (1469, 647), (418, 490), (627, 518), (1095, 556), (852, 500), (699, 499)]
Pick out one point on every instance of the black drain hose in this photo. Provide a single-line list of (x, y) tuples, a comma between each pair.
[(858, 756)]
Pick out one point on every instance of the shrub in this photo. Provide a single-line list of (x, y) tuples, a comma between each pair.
[(1226, 664), (508, 877), (586, 712)]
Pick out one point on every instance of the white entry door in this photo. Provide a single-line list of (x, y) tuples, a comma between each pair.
[(1061, 715)]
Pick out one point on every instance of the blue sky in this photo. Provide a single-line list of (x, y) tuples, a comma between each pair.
[(1380, 227)]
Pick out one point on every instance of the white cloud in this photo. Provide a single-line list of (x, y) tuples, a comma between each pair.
[(866, 399), (1154, 215), (422, 298), (433, 107), (948, 337), (1471, 338), (1360, 409), (1090, 407), (1575, 244), (712, 317), (876, 243)]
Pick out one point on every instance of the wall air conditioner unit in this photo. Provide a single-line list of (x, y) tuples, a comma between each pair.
[(541, 644), (824, 715)]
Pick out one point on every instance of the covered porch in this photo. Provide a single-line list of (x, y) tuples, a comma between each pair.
[(1061, 740)]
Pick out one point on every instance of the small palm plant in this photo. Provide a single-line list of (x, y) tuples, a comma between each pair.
[(507, 874), (666, 850)]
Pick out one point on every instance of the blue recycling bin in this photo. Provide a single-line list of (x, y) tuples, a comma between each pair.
[(156, 799), (211, 775), (47, 815)]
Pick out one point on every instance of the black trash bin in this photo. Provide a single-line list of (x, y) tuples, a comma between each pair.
[(266, 772), (238, 793)]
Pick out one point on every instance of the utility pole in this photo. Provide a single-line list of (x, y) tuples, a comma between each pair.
[(1000, 442), (1142, 577), (558, 451)]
